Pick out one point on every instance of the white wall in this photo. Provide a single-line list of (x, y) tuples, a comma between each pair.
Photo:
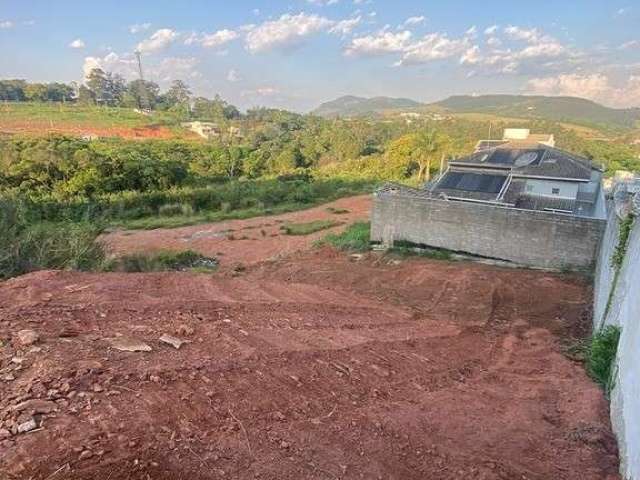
[(624, 311), (544, 187)]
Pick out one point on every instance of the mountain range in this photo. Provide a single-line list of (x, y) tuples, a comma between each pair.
[(568, 109)]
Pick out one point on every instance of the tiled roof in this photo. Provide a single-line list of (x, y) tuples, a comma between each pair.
[(543, 161)]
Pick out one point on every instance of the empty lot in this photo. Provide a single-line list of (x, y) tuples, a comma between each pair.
[(312, 366)]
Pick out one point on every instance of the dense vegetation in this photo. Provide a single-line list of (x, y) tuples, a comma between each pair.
[(281, 161)]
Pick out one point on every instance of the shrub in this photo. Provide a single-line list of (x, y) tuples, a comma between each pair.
[(601, 356), (28, 247), (162, 261), (309, 227), (356, 237), (337, 211), (173, 209)]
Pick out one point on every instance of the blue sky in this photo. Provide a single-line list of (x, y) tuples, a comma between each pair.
[(298, 53)]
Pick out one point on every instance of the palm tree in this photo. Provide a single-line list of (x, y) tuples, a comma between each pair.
[(429, 145)]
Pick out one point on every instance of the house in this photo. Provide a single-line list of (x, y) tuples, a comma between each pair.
[(518, 138), (518, 199), (528, 177), (204, 129)]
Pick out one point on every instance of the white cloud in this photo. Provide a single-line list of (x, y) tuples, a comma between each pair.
[(233, 76), (434, 46), (139, 27), (261, 92), (472, 31), (174, 68), (124, 65), (256, 11), (380, 43), (212, 40), (416, 20), (285, 32), (77, 43), (5, 24), (160, 40), (29, 23), (530, 35), (630, 44), (596, 86), (491, 30), (345, 27)]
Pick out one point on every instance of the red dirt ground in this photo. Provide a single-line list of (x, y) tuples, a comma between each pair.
[(40, 127), (241, 241), (314, 366)]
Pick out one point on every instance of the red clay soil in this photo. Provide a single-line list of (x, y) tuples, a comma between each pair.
[(317, 366), (241, 241), (41, 127)]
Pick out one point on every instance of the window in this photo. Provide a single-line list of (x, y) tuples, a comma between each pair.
[(529, 188), (555, 191)]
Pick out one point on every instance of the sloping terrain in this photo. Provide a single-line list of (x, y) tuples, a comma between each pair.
[(315, 366), (243, 242), (563, 109), (351, 106)]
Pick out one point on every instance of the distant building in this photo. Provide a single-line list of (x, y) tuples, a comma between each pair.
[(204, 129), (518, 138), (518, 199), (532, 178)]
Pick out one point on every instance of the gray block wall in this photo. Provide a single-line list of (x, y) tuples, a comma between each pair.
[(624, 311), (605, 273), (533, 238)]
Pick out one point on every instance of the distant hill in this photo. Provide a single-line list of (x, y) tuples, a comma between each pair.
[(351, 106), (561, 109), (568, 109)]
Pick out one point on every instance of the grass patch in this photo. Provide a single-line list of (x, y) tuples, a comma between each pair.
[(601, 356), (309, 227), (151, 223), (355, 238), (337, 211), (163, 261), (27, 247)]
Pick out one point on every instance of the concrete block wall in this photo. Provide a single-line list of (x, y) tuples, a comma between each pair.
[(534, 238), (624, 311), (605, 273)]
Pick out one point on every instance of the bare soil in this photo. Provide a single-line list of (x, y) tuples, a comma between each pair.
[(37, 127), (242, 242), (314, 366)]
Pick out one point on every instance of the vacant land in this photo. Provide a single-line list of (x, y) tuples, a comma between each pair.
[(242, 242), (78, 120), (317, 366)]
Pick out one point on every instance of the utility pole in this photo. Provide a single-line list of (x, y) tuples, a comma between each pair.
[(144, 103)]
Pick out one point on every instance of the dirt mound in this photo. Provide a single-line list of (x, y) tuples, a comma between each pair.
[(315, 366), (243, 241)]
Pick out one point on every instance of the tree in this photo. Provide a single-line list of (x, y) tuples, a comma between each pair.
[(35, 92), (429, 145), (97, 83), (59, 92), (178, 93), (144, 94), (12, 90)]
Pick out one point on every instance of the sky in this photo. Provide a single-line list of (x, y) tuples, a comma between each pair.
[(296, 54)]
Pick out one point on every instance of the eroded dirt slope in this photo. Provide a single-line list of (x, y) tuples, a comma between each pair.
[(311, 367)]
